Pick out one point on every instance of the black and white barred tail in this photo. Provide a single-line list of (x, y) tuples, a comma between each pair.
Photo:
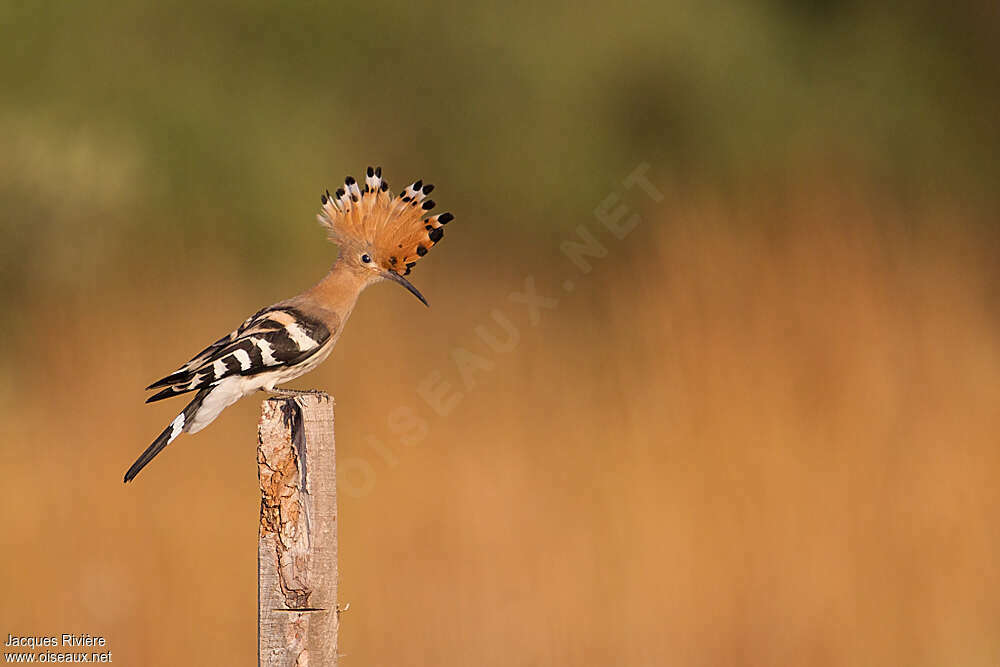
[(176, 427)]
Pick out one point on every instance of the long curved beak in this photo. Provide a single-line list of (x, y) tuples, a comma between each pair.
[(395, 277)]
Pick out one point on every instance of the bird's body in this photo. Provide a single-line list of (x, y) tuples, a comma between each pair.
[(290, 338)]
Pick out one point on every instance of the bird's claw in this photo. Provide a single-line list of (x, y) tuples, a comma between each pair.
[(292, 393)]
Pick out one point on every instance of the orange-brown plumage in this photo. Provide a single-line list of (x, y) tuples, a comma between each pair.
[(380, 237), (393, 227)]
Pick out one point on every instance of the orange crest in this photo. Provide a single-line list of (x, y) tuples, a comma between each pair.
[(394, 226)]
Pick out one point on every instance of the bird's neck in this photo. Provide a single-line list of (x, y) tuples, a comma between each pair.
[(339, 289)]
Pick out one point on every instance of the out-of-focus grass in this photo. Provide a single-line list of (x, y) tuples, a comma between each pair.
[(761, 432), (159, 126), (769, 443)]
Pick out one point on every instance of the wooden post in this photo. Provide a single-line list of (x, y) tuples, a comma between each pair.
[(297, 547)]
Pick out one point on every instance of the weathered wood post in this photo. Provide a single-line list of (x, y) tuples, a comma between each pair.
[(297, 547)]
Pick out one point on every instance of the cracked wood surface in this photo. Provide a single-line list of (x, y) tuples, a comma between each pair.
[(297, 546)]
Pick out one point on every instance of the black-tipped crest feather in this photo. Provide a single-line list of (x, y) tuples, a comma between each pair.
[(393, 225)]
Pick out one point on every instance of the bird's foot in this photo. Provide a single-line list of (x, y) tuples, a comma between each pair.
[(292, 393)]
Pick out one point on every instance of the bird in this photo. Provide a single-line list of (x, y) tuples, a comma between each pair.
[(380, 237)]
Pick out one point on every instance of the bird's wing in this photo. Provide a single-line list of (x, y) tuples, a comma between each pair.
[(275, 337), (209, 352)]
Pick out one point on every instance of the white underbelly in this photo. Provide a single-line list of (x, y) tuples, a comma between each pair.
[(270, 379), (235, 387)]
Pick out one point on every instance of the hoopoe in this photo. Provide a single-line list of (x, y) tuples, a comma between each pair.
[(380, 238)]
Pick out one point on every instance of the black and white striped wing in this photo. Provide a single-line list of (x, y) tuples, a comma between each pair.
[(274, 338)]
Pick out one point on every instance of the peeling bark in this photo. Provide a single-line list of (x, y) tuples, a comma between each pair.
[(297, 550)]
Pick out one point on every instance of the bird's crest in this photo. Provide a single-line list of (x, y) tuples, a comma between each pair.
[(394, 225)]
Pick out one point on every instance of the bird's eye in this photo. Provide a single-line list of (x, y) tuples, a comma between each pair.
[(366, 259)]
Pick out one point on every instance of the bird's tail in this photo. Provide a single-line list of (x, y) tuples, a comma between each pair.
[(176, 427)]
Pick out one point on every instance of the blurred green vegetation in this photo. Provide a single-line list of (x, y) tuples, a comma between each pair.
[(762, 431), (131, 128)]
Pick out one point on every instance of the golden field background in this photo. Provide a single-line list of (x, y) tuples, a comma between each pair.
[(763, 430)]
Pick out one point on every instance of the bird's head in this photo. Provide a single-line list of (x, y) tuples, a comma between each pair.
[(382, 236)]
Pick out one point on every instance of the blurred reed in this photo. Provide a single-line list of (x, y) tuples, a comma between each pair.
[(758, 433)]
